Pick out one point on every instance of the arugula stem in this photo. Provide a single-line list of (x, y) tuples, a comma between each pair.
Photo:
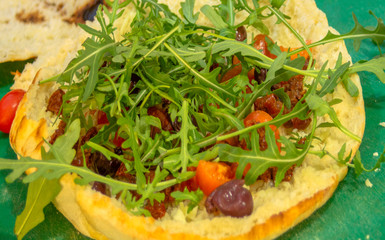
[(296, 34), (155, 89), (111, 82), (309, 73), (204, 32), (196, 73), (342, 37), (150, 93), (163, 39), (220, 100), (275, 121)]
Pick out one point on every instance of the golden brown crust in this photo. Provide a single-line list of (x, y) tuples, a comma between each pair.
[(280, 223), (134, 227)]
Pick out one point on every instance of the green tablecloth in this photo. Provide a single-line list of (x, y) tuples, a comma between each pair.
[(354, 212)]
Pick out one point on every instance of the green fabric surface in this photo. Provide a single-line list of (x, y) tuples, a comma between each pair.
[(354, 212)]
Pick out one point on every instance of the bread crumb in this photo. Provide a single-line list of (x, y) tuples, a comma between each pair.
[(368, 183), (375, 154), (382, 124), (377, 169), (367, 237)]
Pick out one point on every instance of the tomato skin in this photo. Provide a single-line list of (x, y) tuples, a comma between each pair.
[(303, 53), (261, 44), (8, 107), (260, 117), (102, 118), (234, 71), (210, 175), (118, 141)]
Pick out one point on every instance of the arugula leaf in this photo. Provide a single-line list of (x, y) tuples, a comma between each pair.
[(334, 80), (40, 193), (232, 47), (359, 167), (188, 11), (183, 134), (91, 58), (321, 107), (260, 161), (376, 66), (358, 33), (208, 79), (350, 87), (194, 197), (213, 16), (277, 3), (63, 150)]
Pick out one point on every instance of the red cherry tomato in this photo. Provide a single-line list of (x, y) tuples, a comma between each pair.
[(261, 44), (211, 175), (102, 118), (8, 107), (301, 54), (118, 141), (260, 117), (234, 71)]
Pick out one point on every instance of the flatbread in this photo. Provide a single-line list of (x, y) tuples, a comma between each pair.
[(46, 31), (276, 209)]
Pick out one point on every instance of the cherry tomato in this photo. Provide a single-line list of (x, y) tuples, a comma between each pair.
[(301, 53), (234, 71), (211, 175), (8, 107), (260, 117), (102, 118), (191, 184), (118, 141), (261, 44)]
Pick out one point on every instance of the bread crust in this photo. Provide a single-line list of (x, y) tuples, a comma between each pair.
[(101, 217)]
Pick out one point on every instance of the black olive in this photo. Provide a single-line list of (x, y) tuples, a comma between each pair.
[(118, 151), (103, 166), (134, 80), (176, 124), (90, 13), (260, 76), (241, 34), (231, 198)]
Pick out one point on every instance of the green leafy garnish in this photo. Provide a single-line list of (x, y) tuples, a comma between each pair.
[(193, 197), (40, 193)]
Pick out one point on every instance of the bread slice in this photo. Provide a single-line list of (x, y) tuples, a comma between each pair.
[(44, 30), (276, 209)]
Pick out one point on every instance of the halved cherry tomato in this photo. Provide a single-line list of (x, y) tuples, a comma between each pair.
[(211, 175), (8, 107), (261, 44), (303, 53), (234, 71), (260, 117)]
